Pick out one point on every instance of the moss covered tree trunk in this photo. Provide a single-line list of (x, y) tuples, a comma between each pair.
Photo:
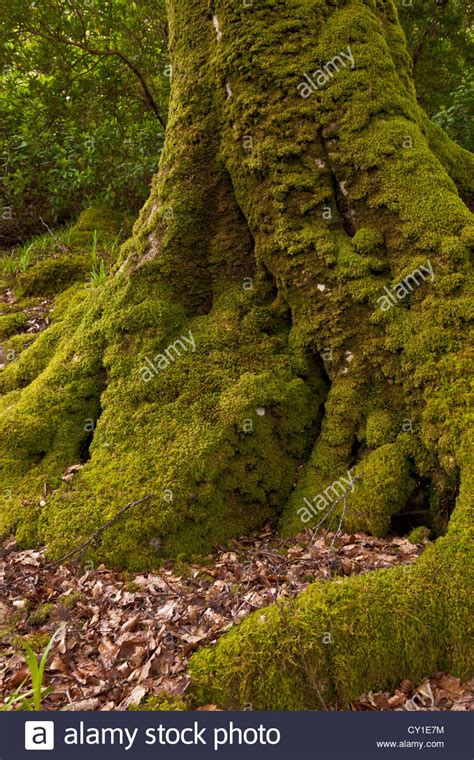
[(289, 314)]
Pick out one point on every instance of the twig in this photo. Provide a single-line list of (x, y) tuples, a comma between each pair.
[(334, 504), (99, 531), (311, 675), (343, 514), (171, 588), (56, 240)]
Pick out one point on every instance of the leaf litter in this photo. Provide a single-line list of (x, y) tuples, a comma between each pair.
[(126, 637)]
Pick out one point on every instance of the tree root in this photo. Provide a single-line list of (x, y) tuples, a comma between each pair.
[(357, 634)]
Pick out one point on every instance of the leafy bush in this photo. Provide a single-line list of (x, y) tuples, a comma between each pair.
[(77, 127)]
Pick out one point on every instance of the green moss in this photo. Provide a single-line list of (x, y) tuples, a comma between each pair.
[(209, 482), (350, 635), (329, 460), (70, 600), (13, 347), (51, 276), (12, 323), (63, 302), (34, 354), (459, 163), (367, 240), (101, 219), (384, 489), (163, 702), (418, 535), (41, 614), (37, 641), (452, 248), (381, 428), (467, 235)]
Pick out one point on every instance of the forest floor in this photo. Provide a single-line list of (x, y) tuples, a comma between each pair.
[(122, 638)]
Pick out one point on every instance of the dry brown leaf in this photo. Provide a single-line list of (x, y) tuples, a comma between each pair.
[(397, 699), (108, 652), (85, 704)]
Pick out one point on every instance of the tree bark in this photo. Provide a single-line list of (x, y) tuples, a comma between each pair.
[(282, 213)]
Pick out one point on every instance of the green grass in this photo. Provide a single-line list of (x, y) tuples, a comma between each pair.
[(33, 697), (98, 274), (9, 265), (25, 258)]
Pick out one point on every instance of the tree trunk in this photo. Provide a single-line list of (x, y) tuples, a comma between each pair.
[(256, 345)]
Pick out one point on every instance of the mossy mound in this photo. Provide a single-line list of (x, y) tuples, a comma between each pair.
[(41, 614), (54, 266), (209, 481), (51, 276), (101, 219), (419, 535), (12, 323)]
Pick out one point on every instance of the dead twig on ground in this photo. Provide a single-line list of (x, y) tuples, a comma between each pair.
[(99, 531)]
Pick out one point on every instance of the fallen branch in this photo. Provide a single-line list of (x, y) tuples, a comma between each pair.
[(99, 531)]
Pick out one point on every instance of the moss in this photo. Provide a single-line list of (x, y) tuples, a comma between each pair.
[(63, 302), (235, 477), (459, 163), (453, 248), (359, 633), (418, 535), (367, 240), (467, 235), (13, 347), (329, 461), (101, 219), (385, 486), (40, 615), (12, 323), (32, 358), (51, 276), (131, 586), (70, 600), (163, 702), (381, 428), (37, 641)]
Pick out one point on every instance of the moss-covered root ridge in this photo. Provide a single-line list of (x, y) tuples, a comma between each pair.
[(339, 639)]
